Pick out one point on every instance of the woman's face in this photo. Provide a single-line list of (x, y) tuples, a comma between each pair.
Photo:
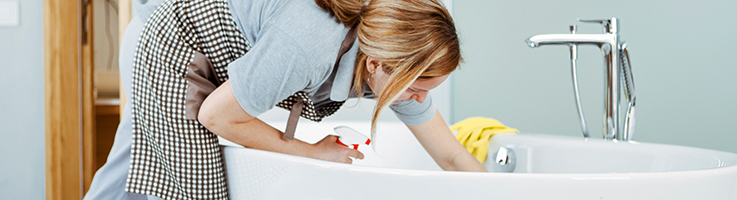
[(418, 90)]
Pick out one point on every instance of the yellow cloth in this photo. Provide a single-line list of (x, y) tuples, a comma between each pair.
[(474, 133)]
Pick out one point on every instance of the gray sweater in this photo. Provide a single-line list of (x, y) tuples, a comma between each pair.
[(294, 46)]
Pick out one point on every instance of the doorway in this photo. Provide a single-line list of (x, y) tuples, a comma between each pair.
[(79, 125)]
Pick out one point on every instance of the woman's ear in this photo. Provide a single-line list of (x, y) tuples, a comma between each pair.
[(372, 64)]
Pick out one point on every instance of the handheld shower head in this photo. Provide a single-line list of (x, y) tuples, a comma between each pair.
[(629, 92)]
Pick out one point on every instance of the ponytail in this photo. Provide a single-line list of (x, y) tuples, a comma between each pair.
[(347, 11)]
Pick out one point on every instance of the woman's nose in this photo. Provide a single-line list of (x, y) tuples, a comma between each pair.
[(419, 97)]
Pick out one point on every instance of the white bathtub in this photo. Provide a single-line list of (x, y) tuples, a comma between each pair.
[(547, 167)]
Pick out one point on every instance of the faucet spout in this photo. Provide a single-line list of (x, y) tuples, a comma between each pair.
[(568, 39)]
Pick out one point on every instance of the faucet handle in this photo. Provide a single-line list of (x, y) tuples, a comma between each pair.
[(609, 25)]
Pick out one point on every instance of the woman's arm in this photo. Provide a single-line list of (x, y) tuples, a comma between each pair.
[(438, 141), (221, 114)]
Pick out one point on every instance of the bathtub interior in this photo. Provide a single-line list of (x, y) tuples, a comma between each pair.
[(394, 146)]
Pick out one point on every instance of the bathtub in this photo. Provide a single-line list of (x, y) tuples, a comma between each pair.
[(547, 167)]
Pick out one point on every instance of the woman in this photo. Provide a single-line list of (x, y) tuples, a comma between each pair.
[(280, 53)]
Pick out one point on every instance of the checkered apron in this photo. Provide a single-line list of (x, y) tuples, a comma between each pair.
[(173, 156)]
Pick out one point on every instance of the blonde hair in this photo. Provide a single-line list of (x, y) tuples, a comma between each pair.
[(411, 38)]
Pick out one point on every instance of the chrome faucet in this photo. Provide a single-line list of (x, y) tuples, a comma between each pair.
[(615, 62)]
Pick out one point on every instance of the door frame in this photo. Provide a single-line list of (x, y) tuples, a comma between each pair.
[(68, 98)]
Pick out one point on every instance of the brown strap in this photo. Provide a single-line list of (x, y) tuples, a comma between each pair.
[(296, 110), (293, 119)]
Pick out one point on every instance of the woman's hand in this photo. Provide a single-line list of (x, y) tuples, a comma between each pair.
[(329, 149)]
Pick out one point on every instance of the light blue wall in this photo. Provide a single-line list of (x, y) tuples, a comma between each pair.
[(682, 54), (21, 106)]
